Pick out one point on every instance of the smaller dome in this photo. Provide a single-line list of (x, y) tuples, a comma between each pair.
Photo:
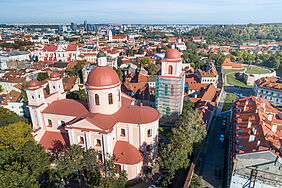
[(54, 75), (172, 54), (101, 54), (102, 76), (33, 83)]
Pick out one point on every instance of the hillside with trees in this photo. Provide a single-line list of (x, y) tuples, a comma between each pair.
[(233, 34)]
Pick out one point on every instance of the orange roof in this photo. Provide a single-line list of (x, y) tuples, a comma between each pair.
[(257, 120), (269, 83), (227, 62), (55, 141), (127, 153)]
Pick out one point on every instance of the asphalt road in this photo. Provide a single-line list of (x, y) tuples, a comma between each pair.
[(212, 157)]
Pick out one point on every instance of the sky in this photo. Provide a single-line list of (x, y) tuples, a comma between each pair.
[(140, 11)]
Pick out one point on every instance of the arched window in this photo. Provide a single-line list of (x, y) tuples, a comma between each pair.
[(97, 99), (170, 69), (110, 98), (119, 95)]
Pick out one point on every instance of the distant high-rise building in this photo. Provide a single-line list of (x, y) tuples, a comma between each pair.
[(63, 28), (85, 25), (89, 27), (170, 87), (73, 26)]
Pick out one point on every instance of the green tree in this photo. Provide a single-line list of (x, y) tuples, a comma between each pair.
[(77, 95), (153, 69), (196, 181), (42, 76), (22, 161), (8, 117), (119, 61), (145, 61), (187, 135), (84, 163), (1, 89)]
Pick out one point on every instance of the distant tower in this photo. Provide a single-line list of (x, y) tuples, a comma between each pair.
[(170, 87), (56, 84), (36, 99), (110, 35), (102, 59), (85, 25)]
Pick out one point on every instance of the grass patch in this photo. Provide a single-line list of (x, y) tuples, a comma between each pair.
[(256, 70), (231, 80), (228, 101), (226, 71)]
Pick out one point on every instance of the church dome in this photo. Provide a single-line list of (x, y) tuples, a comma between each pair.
[(33, 83), (54, 75), (101, 54), (172, 54), (102, 76)]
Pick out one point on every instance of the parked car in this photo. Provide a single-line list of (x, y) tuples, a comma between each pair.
[(217, 173), (223, 125), (221, 140)]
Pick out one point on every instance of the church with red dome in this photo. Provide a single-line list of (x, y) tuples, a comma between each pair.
[(108, 121)]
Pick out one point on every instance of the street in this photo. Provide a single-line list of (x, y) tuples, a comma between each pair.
[(212, 157)]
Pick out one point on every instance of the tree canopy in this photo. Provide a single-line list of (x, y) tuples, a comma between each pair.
[(22, 161), (42, 76), (187, 135), (8, 117)]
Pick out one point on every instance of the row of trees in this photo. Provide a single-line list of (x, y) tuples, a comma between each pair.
[(185, 139)]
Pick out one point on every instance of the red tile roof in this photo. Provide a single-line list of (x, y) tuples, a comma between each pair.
[(257, 125), (127, 153), (55, 141), (227, 63), (67, 107), (269, 83)]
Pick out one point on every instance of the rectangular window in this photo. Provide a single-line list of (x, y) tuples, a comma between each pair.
[(49, 123), (122, 132), (81, 140), (98, 142), (149, 133)]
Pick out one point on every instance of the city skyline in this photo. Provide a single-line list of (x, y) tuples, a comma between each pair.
[(145, 12)]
